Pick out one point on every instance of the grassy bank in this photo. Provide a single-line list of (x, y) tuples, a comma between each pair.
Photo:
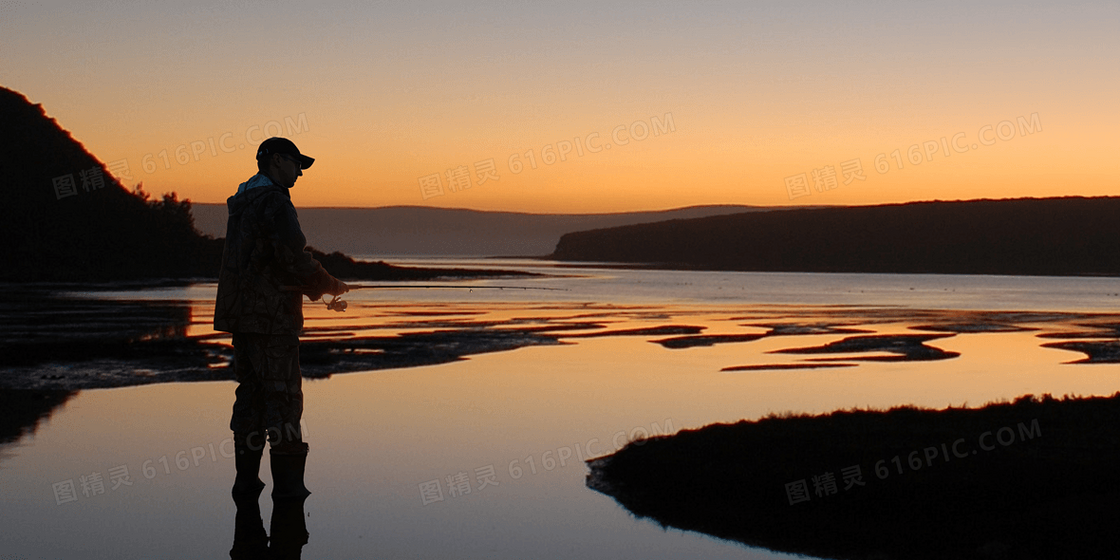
[(1030, 479)]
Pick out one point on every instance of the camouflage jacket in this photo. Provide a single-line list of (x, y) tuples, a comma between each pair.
[(266, 268)]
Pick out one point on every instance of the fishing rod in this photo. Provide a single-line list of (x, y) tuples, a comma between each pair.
[(443, 287), (337, 304)]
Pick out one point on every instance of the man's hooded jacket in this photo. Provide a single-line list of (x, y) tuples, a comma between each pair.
[(266, 268)]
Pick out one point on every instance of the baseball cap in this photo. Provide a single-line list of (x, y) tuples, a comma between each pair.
[(277, 145)]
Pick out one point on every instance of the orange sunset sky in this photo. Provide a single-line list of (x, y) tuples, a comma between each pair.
[(654, 105)]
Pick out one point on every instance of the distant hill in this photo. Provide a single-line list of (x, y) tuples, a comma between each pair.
[(1049, 236), (417, 230), (65, 218)]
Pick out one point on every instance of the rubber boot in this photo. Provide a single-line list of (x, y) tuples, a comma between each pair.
[(288, 462), (247, 460)]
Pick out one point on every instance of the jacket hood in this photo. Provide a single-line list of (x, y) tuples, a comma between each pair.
[(257, 186), (258, 180)]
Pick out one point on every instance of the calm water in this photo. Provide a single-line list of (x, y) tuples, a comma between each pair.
[(527, 416)]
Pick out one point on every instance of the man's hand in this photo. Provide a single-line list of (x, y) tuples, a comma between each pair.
[(324, 283), (338, 287)]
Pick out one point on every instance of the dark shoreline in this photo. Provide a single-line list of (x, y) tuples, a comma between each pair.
[(1030, 479)]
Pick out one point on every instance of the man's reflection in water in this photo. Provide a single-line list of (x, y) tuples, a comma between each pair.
[(289, 530)]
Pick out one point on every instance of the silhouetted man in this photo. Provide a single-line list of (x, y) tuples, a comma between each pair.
[(266, 270)]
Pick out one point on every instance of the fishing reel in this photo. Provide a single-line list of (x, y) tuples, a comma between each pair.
[(336, 304)]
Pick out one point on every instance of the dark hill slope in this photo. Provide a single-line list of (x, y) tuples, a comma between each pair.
[(1052, 236), (80, 232)]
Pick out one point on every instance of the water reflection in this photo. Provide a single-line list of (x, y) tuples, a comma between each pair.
[(24, 409), (388, 432), (289, 530), (53, 340)]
